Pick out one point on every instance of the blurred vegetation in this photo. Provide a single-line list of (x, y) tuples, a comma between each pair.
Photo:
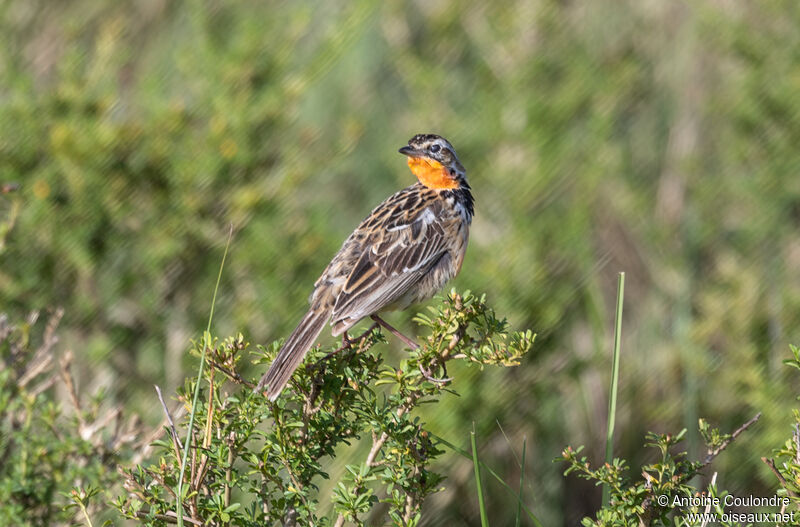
[(656, 138), (52, 453)]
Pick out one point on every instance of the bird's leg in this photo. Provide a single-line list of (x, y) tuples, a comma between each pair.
[(410, 343)]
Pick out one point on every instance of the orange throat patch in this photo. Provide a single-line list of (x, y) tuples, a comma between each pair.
[(431, 173)]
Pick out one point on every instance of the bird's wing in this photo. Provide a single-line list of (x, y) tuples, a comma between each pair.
[(407, 239)]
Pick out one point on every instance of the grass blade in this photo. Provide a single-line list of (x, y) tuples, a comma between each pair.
[(494, 474), (521, 465), (206, 345), (521, 483), (612, 399), (476, 464)]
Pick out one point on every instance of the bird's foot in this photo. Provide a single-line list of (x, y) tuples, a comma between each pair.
[(427, 376)]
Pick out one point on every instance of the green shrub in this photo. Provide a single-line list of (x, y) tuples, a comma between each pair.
[(51, 455), (667, 492), (254, 462)]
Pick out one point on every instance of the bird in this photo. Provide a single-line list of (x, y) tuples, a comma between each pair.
[(401, 254)]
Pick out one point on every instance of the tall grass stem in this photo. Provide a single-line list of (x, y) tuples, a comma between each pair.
[(206, 345), (492, 473), (521, 482), (612, 392), (476, 464)]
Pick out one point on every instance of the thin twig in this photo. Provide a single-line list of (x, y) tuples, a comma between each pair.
[(797, 443), (454, 340), (45, 385), (431, 378), (295, 481), (100, 424), (771, 464), (209, 409), (228, 473), (176, 443), (708, 505), (192, 445), (144, 445), (377, 444), (348, 343), (169, 517), (43, 357), (34, 371), (66, 376), (202, 470), (233, 375), (50, 337), (714, 453), (411, 500), (156, 476)]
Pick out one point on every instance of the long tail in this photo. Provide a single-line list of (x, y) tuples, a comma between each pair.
[(291, 354)]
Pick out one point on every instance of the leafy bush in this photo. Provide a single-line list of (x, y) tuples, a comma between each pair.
[(639, 501), (50, 456), (787, 470), (655, 137), (667, 494), (254, 462)]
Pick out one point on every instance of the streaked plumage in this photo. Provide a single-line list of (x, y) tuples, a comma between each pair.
[(402, 253)]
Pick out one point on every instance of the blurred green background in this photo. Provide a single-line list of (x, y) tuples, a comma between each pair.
[(653, 137)]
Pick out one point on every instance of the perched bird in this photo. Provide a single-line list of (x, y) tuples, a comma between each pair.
[(402, 253)]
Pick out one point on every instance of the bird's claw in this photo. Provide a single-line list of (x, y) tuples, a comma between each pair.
[(427, 375)]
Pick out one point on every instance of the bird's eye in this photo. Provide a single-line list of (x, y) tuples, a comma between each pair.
[(435, 148)]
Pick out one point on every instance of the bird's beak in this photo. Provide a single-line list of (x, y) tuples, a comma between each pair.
[(410, 152)]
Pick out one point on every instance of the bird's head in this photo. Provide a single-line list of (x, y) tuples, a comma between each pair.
[(434, 161)]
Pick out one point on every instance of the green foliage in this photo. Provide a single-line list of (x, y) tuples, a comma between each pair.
[(651, 500), (787, 467), (80, 499), (794, 362), (656, 138), (254, 462), (656, 498), (53, 460)]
